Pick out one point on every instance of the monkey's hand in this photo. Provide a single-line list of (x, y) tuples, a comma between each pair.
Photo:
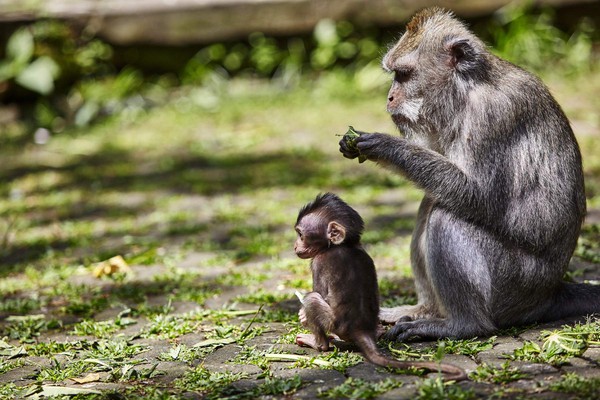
[(302, 317), (348, 144), (378, 147)]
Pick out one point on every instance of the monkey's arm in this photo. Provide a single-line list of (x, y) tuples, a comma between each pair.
[(443, 181)]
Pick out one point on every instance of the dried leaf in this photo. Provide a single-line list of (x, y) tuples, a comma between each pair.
[(214, 342), (111, 266), (13, 352), (295, 357), (49, 391), (93, 377), (174, 352)]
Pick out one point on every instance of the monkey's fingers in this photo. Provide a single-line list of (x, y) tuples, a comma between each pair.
[(398, 332), (390, 334), (347, 151), (368, 141), (371, 145)]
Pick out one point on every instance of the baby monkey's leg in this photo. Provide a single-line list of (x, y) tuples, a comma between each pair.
[(317, 316)]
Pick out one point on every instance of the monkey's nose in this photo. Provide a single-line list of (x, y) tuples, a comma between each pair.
[(391, 98)]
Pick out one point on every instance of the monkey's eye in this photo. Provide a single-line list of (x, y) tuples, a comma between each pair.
[(299, 234), (402, 74)]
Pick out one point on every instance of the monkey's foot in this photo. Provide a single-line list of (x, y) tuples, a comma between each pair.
[(391, 316), (309, 340), (404, 330), (435, 328)]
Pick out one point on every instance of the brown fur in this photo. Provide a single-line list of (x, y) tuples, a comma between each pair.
[(345, 296)]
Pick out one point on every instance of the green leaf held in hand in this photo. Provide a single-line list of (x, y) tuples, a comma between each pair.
[(350, 139)]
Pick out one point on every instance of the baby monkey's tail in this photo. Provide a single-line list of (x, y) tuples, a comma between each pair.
[(368, 347)]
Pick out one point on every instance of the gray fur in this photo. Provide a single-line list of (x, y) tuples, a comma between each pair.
[(503, 182)]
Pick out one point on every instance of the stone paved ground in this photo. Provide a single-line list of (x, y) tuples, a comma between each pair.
[(536, 376)]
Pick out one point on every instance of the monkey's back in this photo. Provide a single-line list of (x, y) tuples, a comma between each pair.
[(515, 247), (351, 290)]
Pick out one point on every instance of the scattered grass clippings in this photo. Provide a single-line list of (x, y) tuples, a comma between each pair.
[(437, 389), (578, 386), (277, 387), (559, 345), (60, 370), (341, 360), (101, 329), (169, 327), (262, 297), (27, 328), (354, 388), (212, 384), (467, 347), (6, 366), (9, 390), (505, 374)]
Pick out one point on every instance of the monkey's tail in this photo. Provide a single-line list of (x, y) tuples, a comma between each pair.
[(369, 348), (574, 299)]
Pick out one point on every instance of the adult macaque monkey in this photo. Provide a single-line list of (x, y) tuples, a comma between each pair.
[(345, 296), (504, 194)]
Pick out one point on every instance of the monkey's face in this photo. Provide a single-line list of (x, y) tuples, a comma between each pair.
[(312, 237), (405, 97)]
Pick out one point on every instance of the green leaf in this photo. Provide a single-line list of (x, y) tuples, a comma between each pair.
[(8, 70), (174, 352), (39, 76), (20, 46), (86, 113), (326, 33)]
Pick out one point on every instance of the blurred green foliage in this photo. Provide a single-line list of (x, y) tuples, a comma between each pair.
[(73, 78), (534, 42), (332, 45)]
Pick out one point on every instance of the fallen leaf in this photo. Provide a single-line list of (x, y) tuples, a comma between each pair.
[(49, 391), (93, 377), (213, 342), (111, 266)]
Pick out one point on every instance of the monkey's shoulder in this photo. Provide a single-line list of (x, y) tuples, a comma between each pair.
[(346, 256)]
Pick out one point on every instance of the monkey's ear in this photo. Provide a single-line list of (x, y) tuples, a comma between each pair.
[(336, 233), (462, 54)]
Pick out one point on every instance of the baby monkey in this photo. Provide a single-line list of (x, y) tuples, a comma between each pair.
[(345, 296)]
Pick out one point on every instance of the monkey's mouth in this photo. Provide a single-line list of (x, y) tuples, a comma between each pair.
[(400, 119)]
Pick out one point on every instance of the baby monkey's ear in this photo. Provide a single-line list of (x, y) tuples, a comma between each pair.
[(336, 233)]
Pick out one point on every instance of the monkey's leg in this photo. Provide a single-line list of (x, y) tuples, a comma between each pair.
[(319, 319), (460, 260), (434, 329), (427, 307)]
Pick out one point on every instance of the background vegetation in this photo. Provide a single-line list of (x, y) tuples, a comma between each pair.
[(194, 178)]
